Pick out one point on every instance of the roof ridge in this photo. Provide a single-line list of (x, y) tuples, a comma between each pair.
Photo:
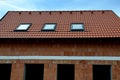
[(62, 11)]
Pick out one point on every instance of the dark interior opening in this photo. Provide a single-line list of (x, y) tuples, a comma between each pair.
[(65, 72), (34, 71), (101, 72), (5, 71)]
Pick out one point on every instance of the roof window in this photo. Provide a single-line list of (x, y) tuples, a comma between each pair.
[(49, 27), (77, 27), (23, 27)]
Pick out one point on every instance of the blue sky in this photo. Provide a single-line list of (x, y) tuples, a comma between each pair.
[(35, 5)]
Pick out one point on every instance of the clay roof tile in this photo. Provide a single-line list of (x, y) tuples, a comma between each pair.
[(97, 24)]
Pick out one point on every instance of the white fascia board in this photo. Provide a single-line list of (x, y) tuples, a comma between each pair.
[(60, 58)]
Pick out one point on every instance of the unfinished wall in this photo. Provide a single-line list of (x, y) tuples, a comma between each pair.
[(61, 48), (83, 69)]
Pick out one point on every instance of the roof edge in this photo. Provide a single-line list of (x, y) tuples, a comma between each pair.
[(115, 14), (61, 38), (4, 16)]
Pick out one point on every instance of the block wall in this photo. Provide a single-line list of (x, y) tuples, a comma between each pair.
[(83, 68)]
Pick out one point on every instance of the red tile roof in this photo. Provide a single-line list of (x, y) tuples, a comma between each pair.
[(98, 24)]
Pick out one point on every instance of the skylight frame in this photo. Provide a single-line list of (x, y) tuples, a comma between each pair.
[(22, 24), (77, 29), (52, 29)]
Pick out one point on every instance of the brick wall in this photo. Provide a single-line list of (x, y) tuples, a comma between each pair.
[(83, 68), (61, 48)]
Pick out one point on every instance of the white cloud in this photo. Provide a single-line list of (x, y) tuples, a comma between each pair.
[(13, 7), (16, 5)]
